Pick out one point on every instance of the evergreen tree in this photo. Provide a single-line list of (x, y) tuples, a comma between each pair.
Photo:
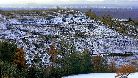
[(7, 51), (72, 61)]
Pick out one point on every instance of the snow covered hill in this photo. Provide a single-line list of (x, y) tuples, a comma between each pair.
[(35, 32)]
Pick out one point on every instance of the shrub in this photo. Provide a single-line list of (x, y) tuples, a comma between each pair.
[(125, 70)]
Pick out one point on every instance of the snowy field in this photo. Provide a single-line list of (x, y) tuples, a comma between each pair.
[(100, 75)]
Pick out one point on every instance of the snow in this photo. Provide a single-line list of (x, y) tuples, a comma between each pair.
[(100, 75), (98, 38)]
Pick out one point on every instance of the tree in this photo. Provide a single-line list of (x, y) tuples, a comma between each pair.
[(76, 63), (130, 19), (86, 64), (7, 51), (19, 58), (72, 61), (36, 60), (91, 14), (99, 64), (53, 53), (125, 70), (107, 20), (112, 67)]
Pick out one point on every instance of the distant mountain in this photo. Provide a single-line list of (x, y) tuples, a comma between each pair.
[(31, 5)]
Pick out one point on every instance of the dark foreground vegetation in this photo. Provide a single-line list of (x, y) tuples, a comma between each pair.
[(12, 63)]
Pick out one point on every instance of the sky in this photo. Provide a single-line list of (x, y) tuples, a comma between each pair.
[(18, 2), (67, 1)]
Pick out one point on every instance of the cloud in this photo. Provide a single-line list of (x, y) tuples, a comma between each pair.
[(66, 1), (133, 0), (95, 0), (40, 1)]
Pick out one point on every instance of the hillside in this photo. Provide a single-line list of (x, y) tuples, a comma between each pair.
[(36, 30)]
